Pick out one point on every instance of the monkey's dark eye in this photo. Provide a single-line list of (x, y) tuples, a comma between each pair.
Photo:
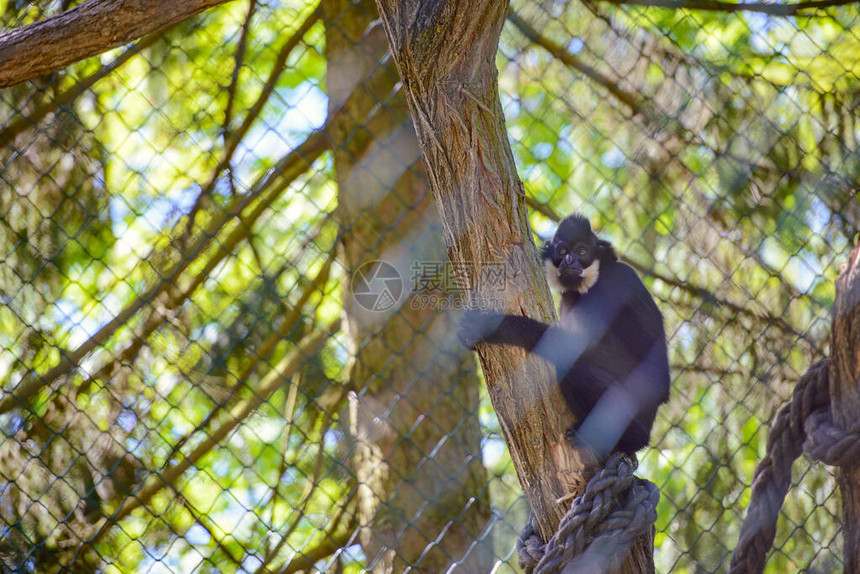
[(582, 251), (562, 252)]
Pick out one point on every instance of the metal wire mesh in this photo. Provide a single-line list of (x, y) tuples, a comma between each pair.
[(201, 373)]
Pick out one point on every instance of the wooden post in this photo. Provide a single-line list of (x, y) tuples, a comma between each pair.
[(845, 396)]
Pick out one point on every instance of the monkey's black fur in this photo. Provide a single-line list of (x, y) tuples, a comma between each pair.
[(609, 349)]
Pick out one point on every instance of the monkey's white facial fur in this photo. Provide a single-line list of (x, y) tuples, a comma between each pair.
[(589, 277), (552, 276), (586, 280)]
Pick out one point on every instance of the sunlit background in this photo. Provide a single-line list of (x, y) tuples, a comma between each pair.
[(188, 384)]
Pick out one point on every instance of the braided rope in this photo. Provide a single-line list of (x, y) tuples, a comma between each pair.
[(828, 443), (805, 423), (594, 535)]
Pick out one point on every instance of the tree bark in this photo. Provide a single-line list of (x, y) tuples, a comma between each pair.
[(84, 31), (445, 53), (845, 396), (445, 56), (423, 497)]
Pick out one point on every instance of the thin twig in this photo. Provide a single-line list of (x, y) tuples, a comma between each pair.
[(241, 46), (232, 139)]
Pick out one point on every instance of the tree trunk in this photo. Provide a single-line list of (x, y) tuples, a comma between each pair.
[(84, 31), (445, 53), (845, 396), (423, 497)]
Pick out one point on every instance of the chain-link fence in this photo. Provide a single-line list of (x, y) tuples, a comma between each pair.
[(201, 372)]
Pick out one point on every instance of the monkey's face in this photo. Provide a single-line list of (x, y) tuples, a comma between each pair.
[(572, 257)]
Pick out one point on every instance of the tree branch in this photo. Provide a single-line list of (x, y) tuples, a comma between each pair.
[(66, 97), (278, 67), (267, 188), (237, 68), (205, 521), (305, 560), (84, 31), (231, 138), (635, 104), (273, 381)]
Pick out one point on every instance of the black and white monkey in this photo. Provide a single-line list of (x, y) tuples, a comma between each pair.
[(609, 349)]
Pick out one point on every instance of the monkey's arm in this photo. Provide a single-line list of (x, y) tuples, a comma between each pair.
[(558, 346), (497, 329)]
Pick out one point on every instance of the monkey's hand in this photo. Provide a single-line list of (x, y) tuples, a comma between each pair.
[(476, 326)]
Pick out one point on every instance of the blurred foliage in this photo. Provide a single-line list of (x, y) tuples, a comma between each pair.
[(151, 235)]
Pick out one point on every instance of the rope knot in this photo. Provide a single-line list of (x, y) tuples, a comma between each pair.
[(829, 443), (595, 534)]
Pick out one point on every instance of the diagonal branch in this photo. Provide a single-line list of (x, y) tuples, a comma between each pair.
[(204, 520), (634, 103), (267, 188), (707, 295), (306, 559), (273, 381), (278, 67), (84, 31), (231, 138)]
